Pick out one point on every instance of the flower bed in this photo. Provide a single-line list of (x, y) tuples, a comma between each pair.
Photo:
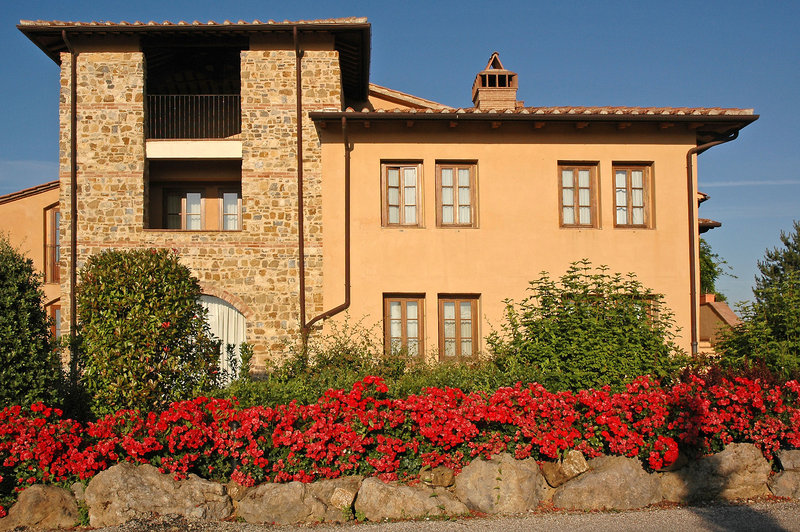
[(361, 432)]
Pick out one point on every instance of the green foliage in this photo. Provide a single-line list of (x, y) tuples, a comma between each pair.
[(769, 334), (346, 355), (712, 267), (588, 329), (29, 364), (143, 336), (779, 261)]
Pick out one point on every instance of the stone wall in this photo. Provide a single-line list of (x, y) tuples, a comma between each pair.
[(255, 269), (501, 485), (111, 162)]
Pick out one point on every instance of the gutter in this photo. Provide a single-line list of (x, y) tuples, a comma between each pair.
[(693, 231), (73, 201)]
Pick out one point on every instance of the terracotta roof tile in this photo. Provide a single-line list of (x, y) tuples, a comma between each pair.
[(44, 187), (104, 23), (606, 110)]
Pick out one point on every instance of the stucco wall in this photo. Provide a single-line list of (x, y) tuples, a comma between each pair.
[(23, 222), (518, 209)]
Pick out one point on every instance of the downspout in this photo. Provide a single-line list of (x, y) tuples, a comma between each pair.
[(298, 56), (693, 274), (344, 306), (73, 201)]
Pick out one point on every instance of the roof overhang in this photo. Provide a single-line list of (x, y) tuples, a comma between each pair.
[(32, 191), (707, 126), (351, 39)]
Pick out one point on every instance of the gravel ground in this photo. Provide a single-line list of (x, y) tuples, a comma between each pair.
[(755, 516)]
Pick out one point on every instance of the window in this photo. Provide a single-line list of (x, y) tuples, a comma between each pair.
[(203, 195), (578, 196), (631, 196), (403, 323), (401, 195), (231, 210), (191, 210), (52, 244), (54, 313), (455, 195), (183, 210), (458, 327)]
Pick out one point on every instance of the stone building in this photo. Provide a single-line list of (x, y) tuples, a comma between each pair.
[(294, 189)]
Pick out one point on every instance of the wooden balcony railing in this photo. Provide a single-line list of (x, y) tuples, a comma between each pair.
[(193, 116)]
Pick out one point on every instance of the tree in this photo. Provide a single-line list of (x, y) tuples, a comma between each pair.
[(712, 267), (30, 369), (588, 329), (143, 336), (769, 334), (778, 262)]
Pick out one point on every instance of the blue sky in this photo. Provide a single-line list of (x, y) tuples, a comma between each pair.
[(677, 53)]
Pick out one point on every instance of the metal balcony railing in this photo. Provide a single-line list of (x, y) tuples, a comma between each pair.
[(193, 116)]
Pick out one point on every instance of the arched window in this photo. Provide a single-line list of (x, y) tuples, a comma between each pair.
[(228, 325)]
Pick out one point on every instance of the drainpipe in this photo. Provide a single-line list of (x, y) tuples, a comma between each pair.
[(298, 56), (693, 274), (73, 185), (344, 306), (305, 327)]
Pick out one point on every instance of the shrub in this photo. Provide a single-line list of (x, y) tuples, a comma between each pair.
[(588, 329), (30, 365), (769, 334), (143, 336)]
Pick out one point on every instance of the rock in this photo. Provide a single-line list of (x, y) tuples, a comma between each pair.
[(126, 491), (612, 483), (501, 485), (572, 465), (295, 502), (236, 490), (42, 506), (78, 491), (440, 476), (378, 501), (786, 484), (789, 460), (338, 496), (740, 471)]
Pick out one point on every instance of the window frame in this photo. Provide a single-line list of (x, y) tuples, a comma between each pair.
[(472, 166), (221, 200), (54, 313), (594, 204), (647, 176), (385, 167), (52, 244), (404, 299), (182, 193), (474, 300)]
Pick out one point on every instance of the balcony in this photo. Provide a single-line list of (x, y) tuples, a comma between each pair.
[(193, 116)]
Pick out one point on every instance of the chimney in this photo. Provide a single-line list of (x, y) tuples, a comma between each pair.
[(495, 87)]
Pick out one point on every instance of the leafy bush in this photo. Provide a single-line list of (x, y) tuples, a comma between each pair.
[(362, 430), (30, 366), (588, 329), (769, 334), (143, 336)]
